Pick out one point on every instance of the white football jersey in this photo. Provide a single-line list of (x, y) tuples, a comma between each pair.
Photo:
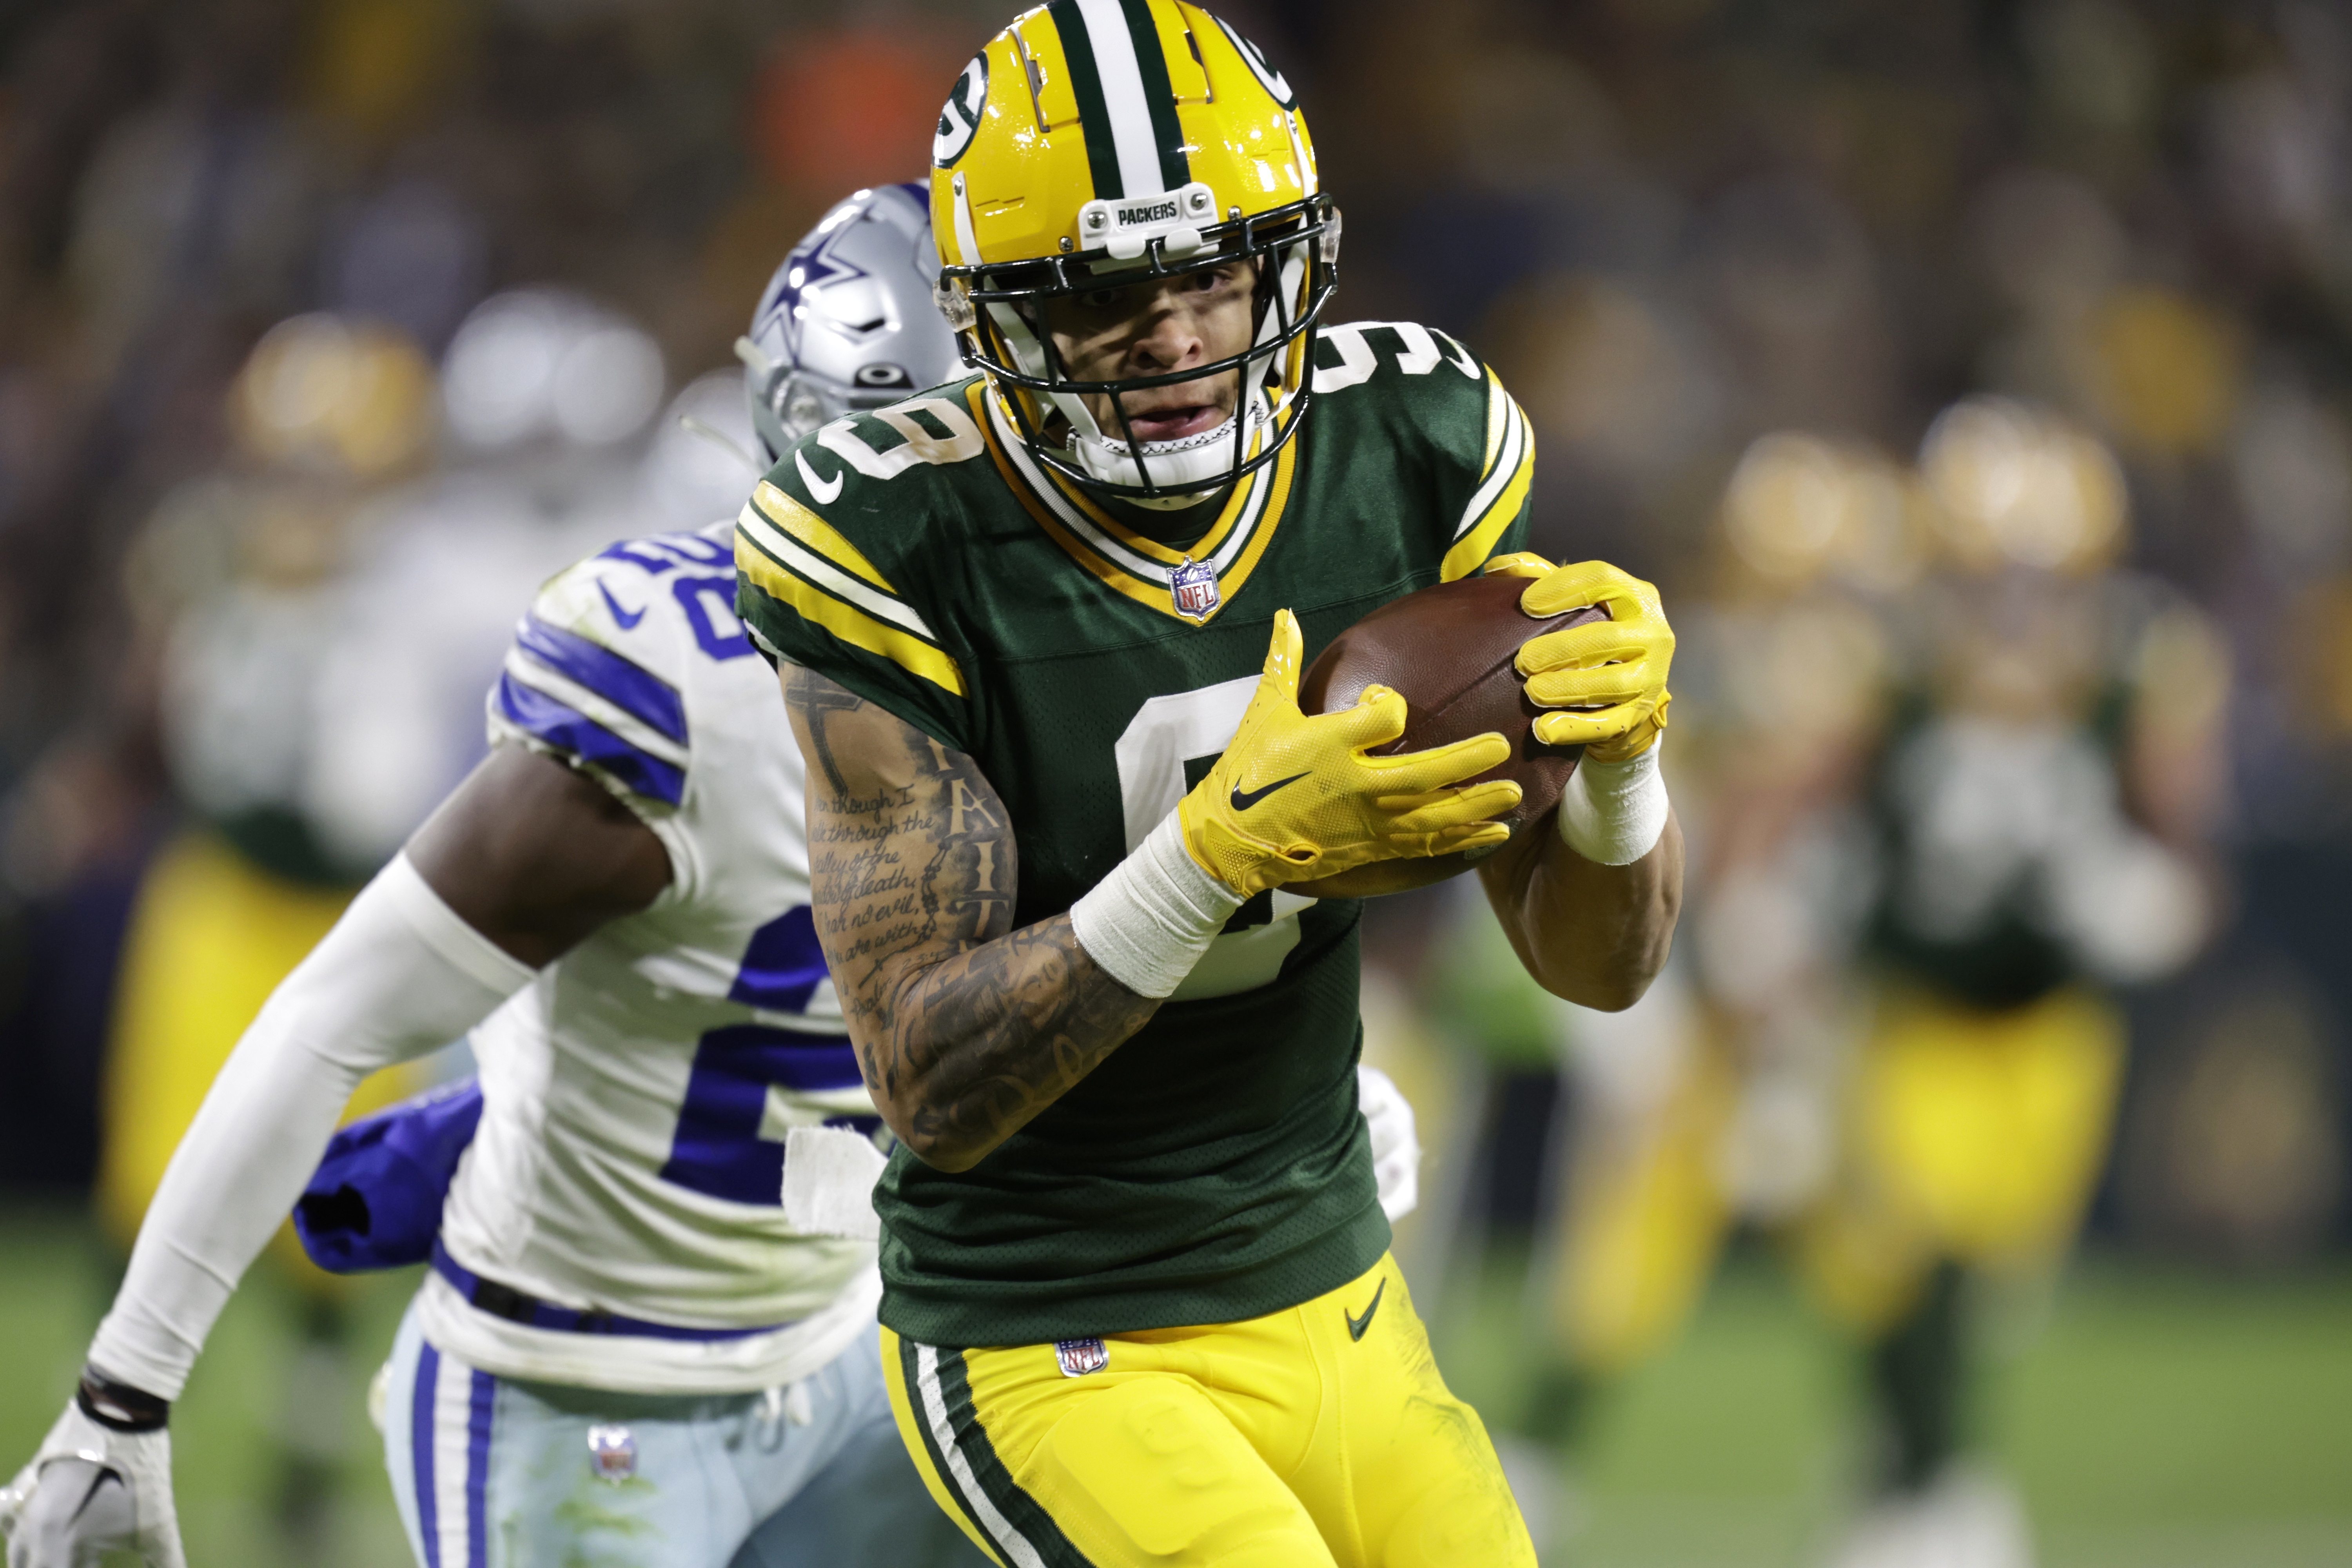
[(636, 1097)]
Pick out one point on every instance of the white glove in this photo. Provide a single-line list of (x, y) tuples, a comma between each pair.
[(1396, 1145), (92, 1490)]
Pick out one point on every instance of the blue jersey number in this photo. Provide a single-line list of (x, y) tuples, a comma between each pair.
[(709, 601), (731, 1130)]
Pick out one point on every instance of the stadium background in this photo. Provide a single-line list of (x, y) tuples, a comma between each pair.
[(1735, 257)]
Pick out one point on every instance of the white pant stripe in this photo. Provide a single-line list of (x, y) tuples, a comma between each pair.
[(452, 1439), (935, 1411)]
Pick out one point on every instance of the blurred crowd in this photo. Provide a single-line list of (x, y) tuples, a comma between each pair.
[(1972, 378)]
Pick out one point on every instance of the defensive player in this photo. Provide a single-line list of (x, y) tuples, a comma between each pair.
[(626, 1353), (1137, 1303)]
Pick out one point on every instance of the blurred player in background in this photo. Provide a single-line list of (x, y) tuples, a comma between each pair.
[(320, 613), (1973, 793)]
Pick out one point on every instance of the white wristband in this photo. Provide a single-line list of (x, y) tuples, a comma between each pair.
[(1612, 813), (1149, 920)]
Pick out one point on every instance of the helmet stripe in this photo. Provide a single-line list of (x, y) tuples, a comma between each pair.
[(1132, 136), (1086, 85), (1158, 96)]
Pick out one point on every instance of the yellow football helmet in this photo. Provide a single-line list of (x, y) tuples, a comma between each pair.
[(1094, 143)]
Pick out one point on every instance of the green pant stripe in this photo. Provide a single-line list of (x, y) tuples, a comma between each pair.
[(1016, 1505), (911, 1373)]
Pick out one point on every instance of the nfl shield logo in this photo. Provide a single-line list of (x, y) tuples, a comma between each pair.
[(1194, 585), (1079, 1357), (612, 1453)]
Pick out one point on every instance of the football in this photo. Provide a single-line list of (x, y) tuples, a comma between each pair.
[(1448, 650)]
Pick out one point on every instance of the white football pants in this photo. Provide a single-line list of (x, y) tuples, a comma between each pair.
[(490, 1472)]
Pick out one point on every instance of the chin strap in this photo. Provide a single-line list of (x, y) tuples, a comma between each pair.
[(1202, 463)]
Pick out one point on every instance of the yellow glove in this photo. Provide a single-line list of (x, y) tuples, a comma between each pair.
[(1295, 797), (1615, 670)]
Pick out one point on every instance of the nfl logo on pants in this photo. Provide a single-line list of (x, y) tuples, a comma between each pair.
[(612, 1453), (1079, 1357), (1194, 585)]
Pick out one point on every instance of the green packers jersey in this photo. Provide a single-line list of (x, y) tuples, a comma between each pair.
[(1213, 1167)]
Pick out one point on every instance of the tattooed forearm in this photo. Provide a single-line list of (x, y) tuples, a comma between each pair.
[(965, 1028)]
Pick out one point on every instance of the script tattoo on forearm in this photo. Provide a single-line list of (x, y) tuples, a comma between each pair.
[(965, 1028)]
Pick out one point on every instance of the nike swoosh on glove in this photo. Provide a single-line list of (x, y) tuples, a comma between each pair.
[(1296, 796)]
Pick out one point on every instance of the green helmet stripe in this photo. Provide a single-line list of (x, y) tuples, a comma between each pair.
[(1159, 95), (1086, 84)]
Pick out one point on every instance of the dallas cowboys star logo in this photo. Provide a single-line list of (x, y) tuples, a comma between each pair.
[(813, 265)]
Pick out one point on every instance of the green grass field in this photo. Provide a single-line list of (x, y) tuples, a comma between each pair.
[(2155, 1420)]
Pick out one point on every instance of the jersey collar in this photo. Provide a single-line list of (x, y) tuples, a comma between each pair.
[(1123, 560)]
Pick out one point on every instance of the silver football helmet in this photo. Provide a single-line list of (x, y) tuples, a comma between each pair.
[(848, 321)]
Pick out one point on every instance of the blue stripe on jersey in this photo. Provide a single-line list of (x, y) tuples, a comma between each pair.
[(421, 1426), (628, 686), (567, 729), (478, 1469)]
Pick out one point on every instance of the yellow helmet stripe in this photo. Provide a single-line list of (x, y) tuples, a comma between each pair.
[(1126, 107)]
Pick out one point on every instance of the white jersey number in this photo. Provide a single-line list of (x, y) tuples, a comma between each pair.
[(1164, 750)]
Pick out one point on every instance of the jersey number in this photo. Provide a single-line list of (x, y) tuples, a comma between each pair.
[(1165, 749), (752, 1083)]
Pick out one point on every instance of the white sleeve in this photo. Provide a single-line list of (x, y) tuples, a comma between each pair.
[(400, 975)]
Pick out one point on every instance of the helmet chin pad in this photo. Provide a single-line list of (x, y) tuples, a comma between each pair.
[(1188, 467)]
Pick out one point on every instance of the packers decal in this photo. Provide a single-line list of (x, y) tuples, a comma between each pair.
[(1255, 57), (961, 118)]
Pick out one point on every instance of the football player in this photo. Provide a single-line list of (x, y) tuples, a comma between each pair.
[(1040, 634)]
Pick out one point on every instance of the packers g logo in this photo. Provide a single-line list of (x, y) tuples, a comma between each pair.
[(1267, 76), (959, 120)]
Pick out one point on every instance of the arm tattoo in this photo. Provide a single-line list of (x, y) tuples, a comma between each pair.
[(965, 1028)]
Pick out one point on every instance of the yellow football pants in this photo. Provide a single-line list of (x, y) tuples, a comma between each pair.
[(1966, 1135), (1977, 1136), (211, 935), (1319, 1436)]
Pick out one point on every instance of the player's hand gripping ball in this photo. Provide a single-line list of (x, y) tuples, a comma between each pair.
[(1605, 681), (1297, 796)]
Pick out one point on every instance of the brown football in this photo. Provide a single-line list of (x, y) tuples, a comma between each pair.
[(1449, 651)]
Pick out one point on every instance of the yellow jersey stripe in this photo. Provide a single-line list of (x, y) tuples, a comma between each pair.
[(1272, 483), (1498, 405), (1471, 549), (1152, 596), (845, 620), (1514, 442), (1203, 548), (1284, 469), (815, 533), (751, 525)]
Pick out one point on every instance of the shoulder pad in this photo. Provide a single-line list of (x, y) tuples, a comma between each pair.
[(1427, 388), (835, 547), (850, 465)]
